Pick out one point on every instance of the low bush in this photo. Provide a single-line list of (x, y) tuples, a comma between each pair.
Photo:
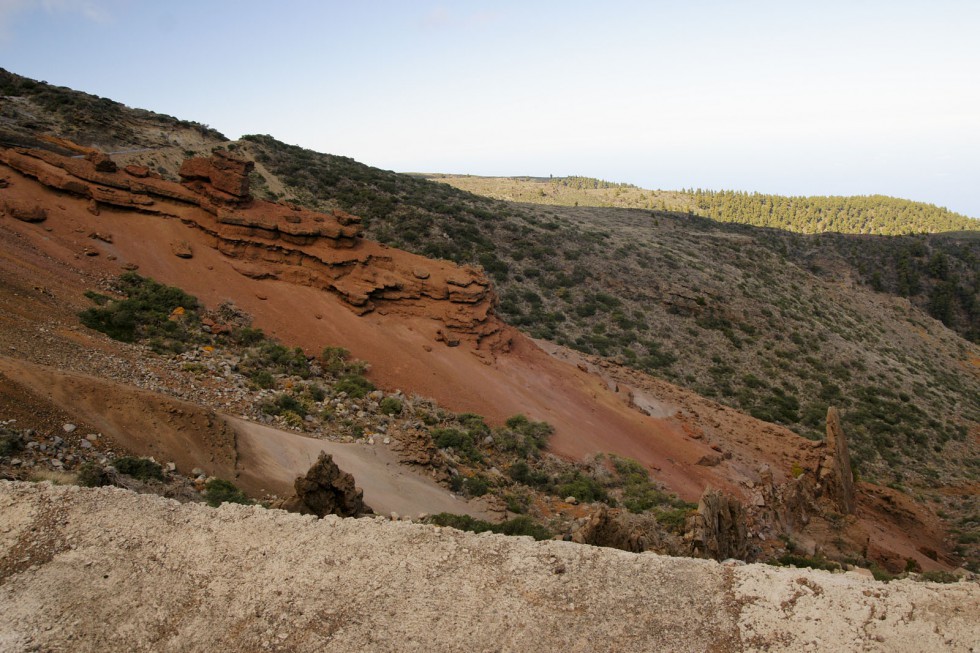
[(90, 474), (142, 469), (282, 404), (164, 315), (522, 525), (10, 443), (218, 491), (391, 406), (355, 385), (522, 436), (459, 441)]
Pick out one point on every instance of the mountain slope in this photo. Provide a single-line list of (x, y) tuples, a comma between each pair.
[(776, 324), (771, 322), (871, 214)]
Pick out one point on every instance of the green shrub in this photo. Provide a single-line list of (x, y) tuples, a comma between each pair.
[(581, 486), (522, 436), (476, 486), (90, 474), (247, 336), (263, 379), (522, 525), (459, 441), (10, 443), (218, 491), (147, 313), (275, 358), (391, 406), (938, 576), (142, 469), (355, 385), (807, 562), (284, 403), (524, 473)]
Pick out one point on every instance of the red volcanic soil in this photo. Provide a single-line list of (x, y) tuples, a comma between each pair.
[(426, 327)]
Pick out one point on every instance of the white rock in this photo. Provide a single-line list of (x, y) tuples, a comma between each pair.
[(69, 428)]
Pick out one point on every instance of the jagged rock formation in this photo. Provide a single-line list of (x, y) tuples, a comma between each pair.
[(622, 530), (274, 241), (835, 473), (718, 530), (326, 490)]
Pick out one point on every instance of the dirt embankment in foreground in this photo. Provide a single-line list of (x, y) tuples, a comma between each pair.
[(95, 570)]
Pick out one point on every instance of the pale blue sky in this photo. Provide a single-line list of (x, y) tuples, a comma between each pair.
[(853, 97)]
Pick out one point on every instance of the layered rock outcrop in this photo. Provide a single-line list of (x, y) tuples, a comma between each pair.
[(267, 240)]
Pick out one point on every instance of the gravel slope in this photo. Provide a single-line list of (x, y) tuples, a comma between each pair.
[(95, 570)]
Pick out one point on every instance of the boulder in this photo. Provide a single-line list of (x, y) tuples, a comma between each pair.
[(326, 490), (182, 249), (24, 211), (101, 161)]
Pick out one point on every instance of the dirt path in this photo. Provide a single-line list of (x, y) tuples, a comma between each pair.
[(258, 458), (266, 453), (95, 570)]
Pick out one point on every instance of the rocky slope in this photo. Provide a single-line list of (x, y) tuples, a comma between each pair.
[(91, 570), (310, 279)]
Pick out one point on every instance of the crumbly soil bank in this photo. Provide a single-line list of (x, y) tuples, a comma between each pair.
[(106, 569)]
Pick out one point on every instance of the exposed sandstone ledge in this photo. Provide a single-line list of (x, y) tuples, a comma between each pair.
[(266, 240), (106, 569)]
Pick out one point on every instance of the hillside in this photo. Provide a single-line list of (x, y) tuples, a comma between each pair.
[(869, 215), (778, 325)]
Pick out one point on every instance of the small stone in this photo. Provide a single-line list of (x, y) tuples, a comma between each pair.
[(571, 500), (69, 428), (197, 471), (387, 440), (395, 516), (92, 437), (85, 444)]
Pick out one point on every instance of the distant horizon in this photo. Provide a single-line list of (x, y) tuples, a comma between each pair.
[(840, 99)]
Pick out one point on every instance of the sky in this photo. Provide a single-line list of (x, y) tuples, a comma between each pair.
[(817, 98)]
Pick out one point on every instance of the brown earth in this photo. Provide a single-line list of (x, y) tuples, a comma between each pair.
[(106, 569), (426, 326)]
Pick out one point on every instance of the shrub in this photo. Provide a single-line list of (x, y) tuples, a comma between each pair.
[(459, 441), (218, 491), (391, 406), (522, 525), (524, 473), (282, 404), (10, 443), (582, 487), (355, 385), (938, 576), (165, 315), (142, 469), (263, 379), (522, 436), (476, 486), (810, 563), (274, 358), (92, 475)]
